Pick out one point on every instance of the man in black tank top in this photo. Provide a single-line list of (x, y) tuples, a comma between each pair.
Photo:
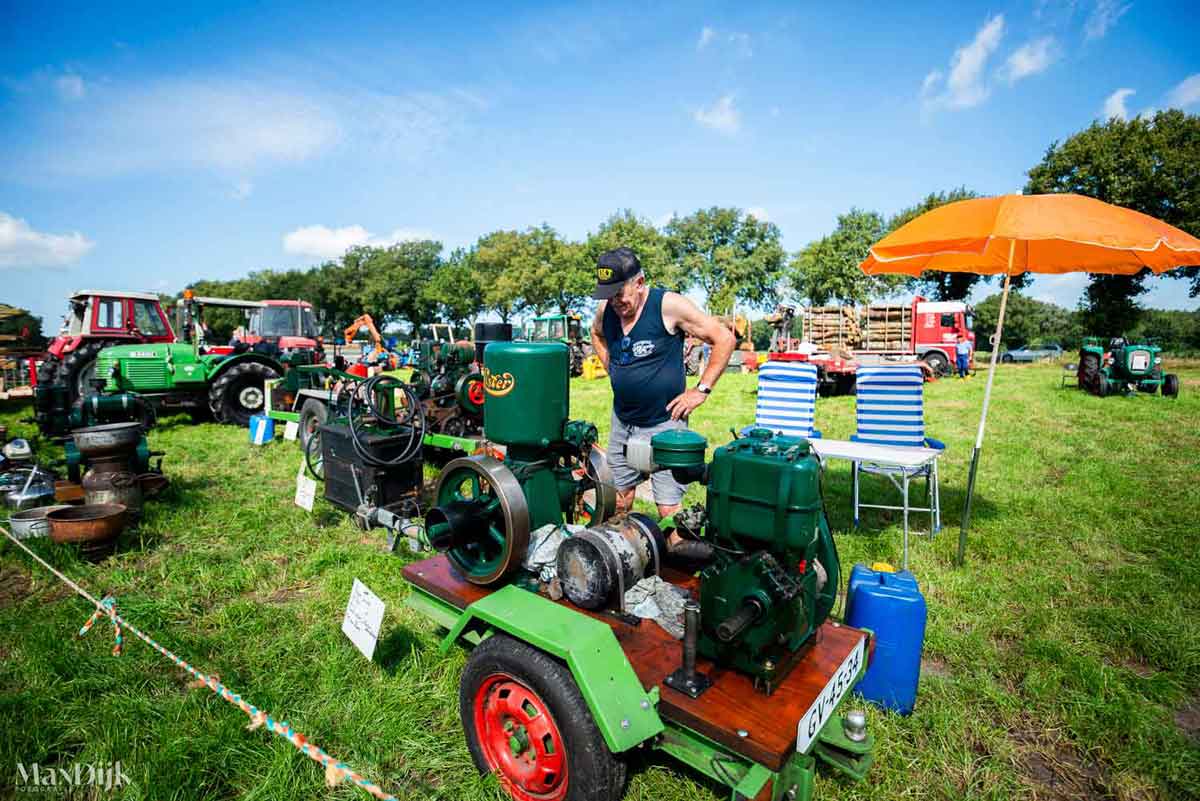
[(638, 334)]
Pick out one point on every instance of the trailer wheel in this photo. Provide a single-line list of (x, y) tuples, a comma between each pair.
[(937, 362), (313, 415), (527, 722), (1170, 387)]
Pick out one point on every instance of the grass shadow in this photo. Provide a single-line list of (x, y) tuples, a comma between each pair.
[(393, 650)]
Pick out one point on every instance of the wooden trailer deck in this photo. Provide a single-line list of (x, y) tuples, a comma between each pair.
[(731, 706)]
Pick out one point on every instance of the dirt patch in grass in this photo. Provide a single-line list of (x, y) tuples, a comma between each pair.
[(285, 595), (15, 586), (1056, 770), (1187, 718), (932, 666)]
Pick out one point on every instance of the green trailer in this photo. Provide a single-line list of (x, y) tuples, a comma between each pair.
[(564, 682)]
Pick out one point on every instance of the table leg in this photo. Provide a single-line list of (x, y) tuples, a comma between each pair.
[(937, 494), (905, 474), (854, 481)]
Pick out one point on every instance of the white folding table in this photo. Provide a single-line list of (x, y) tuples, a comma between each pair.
[(907, 461)]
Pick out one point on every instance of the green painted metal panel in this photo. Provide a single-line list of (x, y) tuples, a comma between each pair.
[(623, 710), (463, 444)]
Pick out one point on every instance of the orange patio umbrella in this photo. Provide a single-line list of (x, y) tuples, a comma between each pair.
[(1012, 234)]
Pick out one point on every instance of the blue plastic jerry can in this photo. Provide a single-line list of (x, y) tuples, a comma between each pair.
[(262, 429), (890, 603)]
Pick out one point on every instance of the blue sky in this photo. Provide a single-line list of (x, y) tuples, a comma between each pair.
[(149, 146)]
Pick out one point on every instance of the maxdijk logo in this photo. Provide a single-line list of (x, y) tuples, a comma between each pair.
[(35, 778)]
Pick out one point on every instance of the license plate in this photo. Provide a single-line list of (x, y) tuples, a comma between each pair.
[(822, 709)]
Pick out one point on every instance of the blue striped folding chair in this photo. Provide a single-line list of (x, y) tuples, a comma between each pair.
[(890, 411), (787, 398)]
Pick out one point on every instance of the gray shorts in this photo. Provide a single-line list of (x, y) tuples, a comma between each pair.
[(667, 491)]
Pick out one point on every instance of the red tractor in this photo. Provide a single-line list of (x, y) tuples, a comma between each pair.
[(96, 320)]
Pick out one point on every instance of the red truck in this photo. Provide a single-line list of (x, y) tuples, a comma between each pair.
[(839, 338)]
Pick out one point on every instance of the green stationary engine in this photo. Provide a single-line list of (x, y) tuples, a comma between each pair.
[(1125, 367), (550, 474), (447, 382), (773, 576)]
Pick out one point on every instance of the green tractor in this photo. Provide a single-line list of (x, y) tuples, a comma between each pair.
[(1126, 367), (226, 381), (564, 328)]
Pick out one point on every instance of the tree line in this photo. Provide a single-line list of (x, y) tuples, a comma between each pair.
[(1151, 165)]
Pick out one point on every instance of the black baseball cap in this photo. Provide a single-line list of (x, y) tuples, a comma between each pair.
[(613, 269)]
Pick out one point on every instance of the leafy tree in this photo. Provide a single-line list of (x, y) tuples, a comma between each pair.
[(827, 270), (553, 272), (732, 256), (454, 289), (1150, 165), (391, 279), (625, 229), (497, 256), (1026, 320)]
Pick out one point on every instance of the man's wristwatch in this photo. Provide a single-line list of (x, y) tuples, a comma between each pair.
[(705, 388)]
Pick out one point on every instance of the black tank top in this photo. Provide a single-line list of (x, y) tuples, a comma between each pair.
[(645, 365)]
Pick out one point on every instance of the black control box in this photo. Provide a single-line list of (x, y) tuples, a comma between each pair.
[(381, 486)]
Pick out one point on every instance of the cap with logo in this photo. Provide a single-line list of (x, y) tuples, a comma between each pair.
[(613, 269)]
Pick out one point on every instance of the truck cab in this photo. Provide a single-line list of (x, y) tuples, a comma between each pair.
[(937, 326)]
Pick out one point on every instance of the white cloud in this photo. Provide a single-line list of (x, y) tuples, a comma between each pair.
[(964, 87), (1114, 104), (759, 213), (236, 126), (331, 243), (1103, 17), (242, 189), (21, 246), (1031, 58), (665, 220), (721, 116), (70, 86), (1186, 93), (739, 41)]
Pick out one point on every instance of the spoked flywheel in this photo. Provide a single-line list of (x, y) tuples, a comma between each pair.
[(481, 520), (595, 490)]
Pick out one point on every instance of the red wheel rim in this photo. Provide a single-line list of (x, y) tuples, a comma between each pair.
[(475, 392), (520, 740)]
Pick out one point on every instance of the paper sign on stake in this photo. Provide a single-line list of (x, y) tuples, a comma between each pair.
[(364, 617), (291, 430), (306, 489)]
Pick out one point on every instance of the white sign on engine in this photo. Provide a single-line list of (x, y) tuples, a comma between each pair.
[(822, 709)]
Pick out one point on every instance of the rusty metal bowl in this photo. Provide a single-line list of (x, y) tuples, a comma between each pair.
[(90, 523), (153, 483), (107, 439)]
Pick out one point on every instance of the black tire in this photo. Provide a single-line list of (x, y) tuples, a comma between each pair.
[(313, 414), (231, 396), (1089, 372), (1007, 358), (78, 366), (1170, 387), (593, 772), (1103, 387), (314, 456), (937, 362), (47, 372)]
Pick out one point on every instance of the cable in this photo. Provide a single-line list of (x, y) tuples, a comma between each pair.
[(413, 422)]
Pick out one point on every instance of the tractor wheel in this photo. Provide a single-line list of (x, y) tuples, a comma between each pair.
[(47, 372), (527, 723), (937, 362), (1170, 387), (1103, 387), (238, 392), (1089, 372), (576, 362), (313, 415), (79, 368)]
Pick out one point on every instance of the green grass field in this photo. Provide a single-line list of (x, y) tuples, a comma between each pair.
[(1062, 662)]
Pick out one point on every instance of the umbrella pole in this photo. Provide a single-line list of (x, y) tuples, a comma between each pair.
[(987, 398)]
